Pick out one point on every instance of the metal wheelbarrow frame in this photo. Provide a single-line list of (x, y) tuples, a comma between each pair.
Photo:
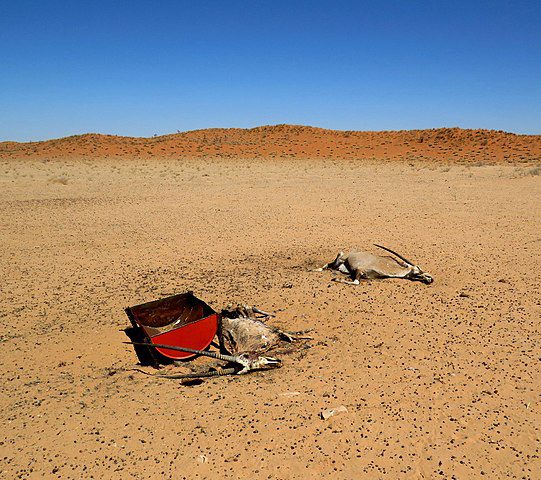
[(181, 320)]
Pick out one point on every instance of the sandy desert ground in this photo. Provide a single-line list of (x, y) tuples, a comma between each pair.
[(440, 381)]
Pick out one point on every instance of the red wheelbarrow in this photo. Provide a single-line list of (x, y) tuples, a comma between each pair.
[(181, 320)]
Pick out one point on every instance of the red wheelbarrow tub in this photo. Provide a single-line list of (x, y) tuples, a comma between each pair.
[(180, 320)]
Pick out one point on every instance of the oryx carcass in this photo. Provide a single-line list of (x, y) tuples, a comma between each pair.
[(365, 265), (242, 329)]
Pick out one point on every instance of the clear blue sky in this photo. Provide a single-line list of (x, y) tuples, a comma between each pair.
[(145, 67)]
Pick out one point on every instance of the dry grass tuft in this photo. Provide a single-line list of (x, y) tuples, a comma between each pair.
[(61, 180), (533, 171)]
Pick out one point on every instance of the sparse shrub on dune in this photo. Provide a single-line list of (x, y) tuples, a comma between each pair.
[(528, 172), (480, 163), (534, 171), (62, 180)]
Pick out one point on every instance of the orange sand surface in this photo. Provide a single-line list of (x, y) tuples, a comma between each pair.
[(439, 381), (451, 145)]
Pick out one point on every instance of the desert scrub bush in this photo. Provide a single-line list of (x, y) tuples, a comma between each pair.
[(62, 180), (532, 171), (480, 163)]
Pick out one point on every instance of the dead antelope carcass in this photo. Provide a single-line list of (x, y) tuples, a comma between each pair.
[(364, 265), (241, 329)]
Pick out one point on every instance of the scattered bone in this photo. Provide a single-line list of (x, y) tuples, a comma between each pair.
[(331, 412), (364, 265), (289, 394)]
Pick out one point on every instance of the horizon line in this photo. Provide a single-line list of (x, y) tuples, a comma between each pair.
[(183, 132)]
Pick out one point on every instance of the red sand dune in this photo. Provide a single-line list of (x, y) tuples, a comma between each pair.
[(450, 145)]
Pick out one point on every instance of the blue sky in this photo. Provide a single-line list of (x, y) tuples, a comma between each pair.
[(142, 68)]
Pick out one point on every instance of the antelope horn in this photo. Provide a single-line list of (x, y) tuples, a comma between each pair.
[(394, 253), (186, 376), (261, 312), (218, 356)]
